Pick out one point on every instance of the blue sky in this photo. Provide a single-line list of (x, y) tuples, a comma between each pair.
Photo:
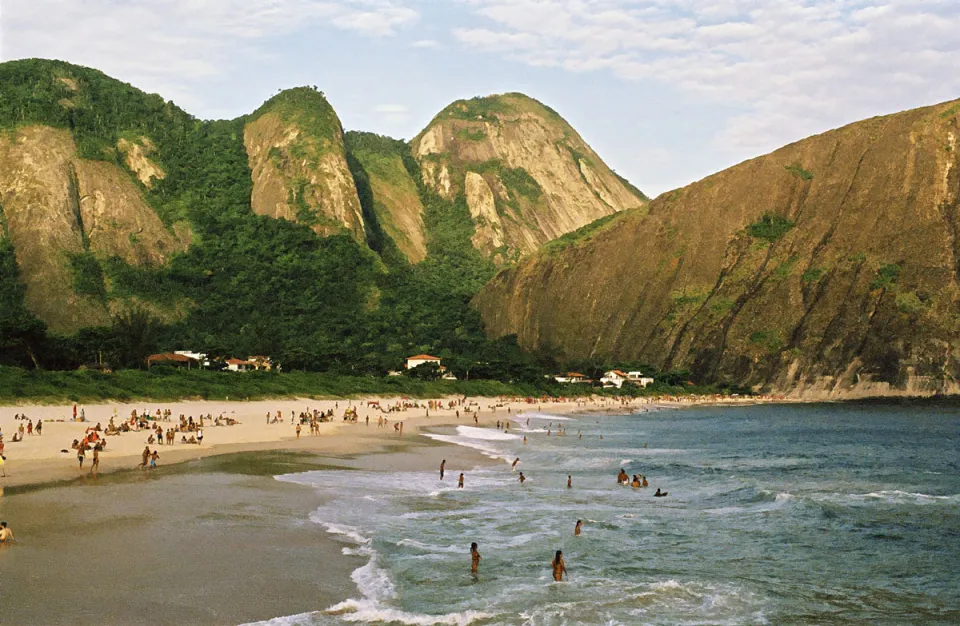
[(666, 91)]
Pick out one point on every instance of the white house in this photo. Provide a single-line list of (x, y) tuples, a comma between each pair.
[(571, 377), (420, 359), (448, 376), (614, 378), (637, 378)]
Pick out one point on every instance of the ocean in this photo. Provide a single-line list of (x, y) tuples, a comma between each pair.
[(776, 514)]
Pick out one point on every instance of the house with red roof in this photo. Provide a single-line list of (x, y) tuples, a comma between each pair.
[(420, 359)]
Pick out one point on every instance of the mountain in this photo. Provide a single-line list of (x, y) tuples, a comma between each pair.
[(527, 176), (297, 157), (828, 268), (128, 225)]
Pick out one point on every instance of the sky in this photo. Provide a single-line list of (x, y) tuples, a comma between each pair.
[(665, 91)]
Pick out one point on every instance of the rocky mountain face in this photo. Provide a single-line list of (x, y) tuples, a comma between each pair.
[(527, 176), (829, 268), (295, 146), (58, 208)]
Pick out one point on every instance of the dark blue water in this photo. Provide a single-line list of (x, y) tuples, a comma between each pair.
[(776, 514)]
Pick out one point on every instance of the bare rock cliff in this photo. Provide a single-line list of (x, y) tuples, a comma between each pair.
[(543, 179), (296, 154), (829, 268), (56, 205)]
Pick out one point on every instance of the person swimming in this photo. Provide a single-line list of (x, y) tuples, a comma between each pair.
[(522, 478), (559, 567), (660, 494)]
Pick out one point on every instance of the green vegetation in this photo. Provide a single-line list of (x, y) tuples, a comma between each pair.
[(520, 182), (812, 275), (798, 171), (770, 227), (164, 383), (950, 112), (309, 110), (910, 303), (471, 134), (481, 107), (87, 275), (767, 339), (785, 269), (581, 235), (633, 188), (887, 276), (21, 333)]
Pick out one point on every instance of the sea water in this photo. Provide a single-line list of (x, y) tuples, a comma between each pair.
[(776, 514)]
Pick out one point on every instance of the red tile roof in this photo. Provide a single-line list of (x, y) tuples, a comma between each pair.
[(168, 356), (238, 362), (423, 357)]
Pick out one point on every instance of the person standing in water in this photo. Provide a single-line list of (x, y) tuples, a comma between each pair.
[(522, 478), (474, 558), (460, 481), (513, 465), (443, 464), (576, 529), (559, 567), (569, 481)]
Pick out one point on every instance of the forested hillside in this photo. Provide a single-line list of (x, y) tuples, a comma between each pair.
[(230, 281)]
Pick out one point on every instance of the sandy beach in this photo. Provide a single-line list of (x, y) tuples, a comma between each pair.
[(48, 457)]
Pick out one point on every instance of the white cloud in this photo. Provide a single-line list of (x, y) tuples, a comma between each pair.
[(794, 66), (426, 43), (169, 44)]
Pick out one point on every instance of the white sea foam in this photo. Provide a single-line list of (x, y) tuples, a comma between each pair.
[(542, 416), (485, 434), (367, 611), (486, 449)]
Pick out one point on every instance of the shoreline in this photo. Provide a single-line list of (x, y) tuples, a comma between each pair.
[(49, 460)]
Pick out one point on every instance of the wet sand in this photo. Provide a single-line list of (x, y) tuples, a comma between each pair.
[(211, 541)]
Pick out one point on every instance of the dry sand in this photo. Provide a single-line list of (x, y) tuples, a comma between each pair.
[(49, 457)]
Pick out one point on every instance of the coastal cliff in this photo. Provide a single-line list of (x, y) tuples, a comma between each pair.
[(828, 268)]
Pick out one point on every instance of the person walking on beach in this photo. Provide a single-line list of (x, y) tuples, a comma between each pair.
[(144, 457), (96, 460), (39, 427), (474, 558), (460, 481), (443, 464), (153, 459), (199, 436), (298, 431), (559, 567)]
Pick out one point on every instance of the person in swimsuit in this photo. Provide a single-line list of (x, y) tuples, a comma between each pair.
[(522, 478), (513, 465), (474, 558), (81, 454), (443, 464), (559, 567), (145, 456), (460, 481), (569, 481), (96, 460), (6, 534), (660, 494), (576, 529), (153, 459)]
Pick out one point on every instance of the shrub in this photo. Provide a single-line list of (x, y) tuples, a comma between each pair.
[(770, 227), (798, 171)]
